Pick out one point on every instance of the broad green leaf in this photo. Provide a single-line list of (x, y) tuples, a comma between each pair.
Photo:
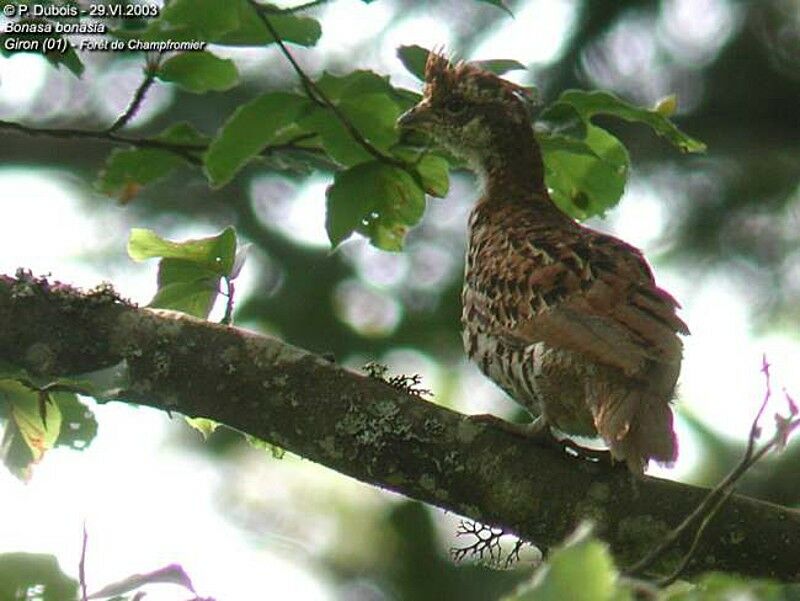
[(127, 171), (245, 134), (216, 254), (34, 571), (199, 72), (583, 185), (186, 286), (378, 200), (356, 83), (593, 103), (562, 119), (582, 570), (414, 58)]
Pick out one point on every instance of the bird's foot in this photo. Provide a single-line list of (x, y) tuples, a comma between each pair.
[(539, 432)]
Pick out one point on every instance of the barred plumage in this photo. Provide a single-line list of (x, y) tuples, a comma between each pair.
[(567, 320)]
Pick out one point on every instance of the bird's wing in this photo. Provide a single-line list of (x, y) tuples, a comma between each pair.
[(584, 292)]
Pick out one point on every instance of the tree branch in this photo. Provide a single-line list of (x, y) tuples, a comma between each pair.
[(188, 152), (362, 427)]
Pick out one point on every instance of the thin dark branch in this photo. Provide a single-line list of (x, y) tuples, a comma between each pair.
[(318, 96), (149, 78), (188, 152)]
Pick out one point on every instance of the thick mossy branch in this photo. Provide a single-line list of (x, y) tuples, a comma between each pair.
[(365, 428)]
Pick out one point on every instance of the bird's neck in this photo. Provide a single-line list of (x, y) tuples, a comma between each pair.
[(511, 165)]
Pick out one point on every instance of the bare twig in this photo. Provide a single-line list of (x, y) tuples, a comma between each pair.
[(82, 564), (150, 71), (718, 495)]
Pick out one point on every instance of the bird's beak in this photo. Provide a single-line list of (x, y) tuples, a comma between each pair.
[(417, 117)]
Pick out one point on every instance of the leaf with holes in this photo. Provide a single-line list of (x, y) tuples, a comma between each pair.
[(378, 200)]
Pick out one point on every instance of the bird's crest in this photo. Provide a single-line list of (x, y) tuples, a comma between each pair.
[(443, 77)]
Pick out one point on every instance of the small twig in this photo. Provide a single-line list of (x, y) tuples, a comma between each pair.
[(149, 78), (227, 319), (717, 496), (319, 97), (82, 564)]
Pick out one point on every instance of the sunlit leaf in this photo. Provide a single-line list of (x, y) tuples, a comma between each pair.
[(199, 72), (245, 134), (215, 253), (414, 58), (205, 426), (298, 29)]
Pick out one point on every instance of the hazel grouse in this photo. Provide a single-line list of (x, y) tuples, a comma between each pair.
[(567, 320)]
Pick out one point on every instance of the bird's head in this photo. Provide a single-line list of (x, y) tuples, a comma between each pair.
[(468, 110)]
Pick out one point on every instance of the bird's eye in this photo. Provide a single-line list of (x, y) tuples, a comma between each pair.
[(454, 106)]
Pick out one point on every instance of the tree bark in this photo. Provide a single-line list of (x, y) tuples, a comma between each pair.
[(365, 428)]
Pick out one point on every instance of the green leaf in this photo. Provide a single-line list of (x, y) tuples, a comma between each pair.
[(34, 571), (582, 570), (185, 20), (189, 272), (500, 66), (378, 200), (186, 286), (553, 142), (199, 72), (583, 185), (414, 58), (126, 171), (593, 103), (216, 254), (298, 29), (251, 127)]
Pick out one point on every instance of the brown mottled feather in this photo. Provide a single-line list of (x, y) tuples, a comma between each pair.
[(567, 320)]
